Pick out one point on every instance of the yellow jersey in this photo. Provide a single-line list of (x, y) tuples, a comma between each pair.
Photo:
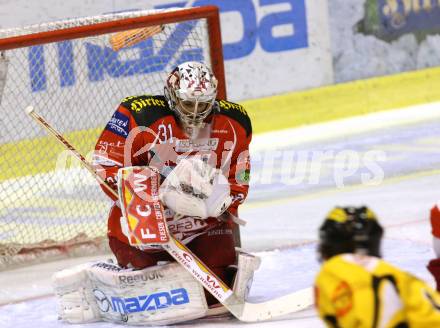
[(367, 292)]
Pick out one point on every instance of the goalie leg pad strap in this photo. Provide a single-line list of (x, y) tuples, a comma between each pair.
[(158, 295)]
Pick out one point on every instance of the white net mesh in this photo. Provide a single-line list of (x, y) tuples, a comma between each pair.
[(48, 203), (75, 22)]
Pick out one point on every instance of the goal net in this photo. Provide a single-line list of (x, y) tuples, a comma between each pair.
[(75, 75)]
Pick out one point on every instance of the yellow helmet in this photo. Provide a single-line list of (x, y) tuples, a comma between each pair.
[(350, 230)]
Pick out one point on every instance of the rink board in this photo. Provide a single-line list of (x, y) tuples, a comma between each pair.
[(344, 100)]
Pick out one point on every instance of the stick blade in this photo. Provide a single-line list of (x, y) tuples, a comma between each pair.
[(275, 309), (129, 38)]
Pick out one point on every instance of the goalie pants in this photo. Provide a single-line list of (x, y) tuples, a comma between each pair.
[(215, 248)]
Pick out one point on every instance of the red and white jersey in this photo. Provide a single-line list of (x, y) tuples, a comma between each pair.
[(144, 131)]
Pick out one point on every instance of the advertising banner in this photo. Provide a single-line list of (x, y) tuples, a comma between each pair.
[(270, 46), (381, 37), (390, 19)]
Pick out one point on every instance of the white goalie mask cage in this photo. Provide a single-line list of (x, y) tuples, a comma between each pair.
[(191, 89)]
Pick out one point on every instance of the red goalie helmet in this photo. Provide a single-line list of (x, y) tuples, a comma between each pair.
[(191, 89)]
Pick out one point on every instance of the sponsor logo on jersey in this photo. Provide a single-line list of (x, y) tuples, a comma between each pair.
[(186, 145), (342, 299), (228, 106), (118, 124), (186, 224), (139, 103), (152, 302), (103, 146), (243, 176), (220, 232), (220, 131)]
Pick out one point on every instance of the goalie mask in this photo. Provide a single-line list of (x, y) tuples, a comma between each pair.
[(350, 230), (191, 89)]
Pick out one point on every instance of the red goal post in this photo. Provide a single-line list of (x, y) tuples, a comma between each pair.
[(50, 208)]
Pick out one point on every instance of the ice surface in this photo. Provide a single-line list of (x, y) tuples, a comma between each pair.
[(281, 271)]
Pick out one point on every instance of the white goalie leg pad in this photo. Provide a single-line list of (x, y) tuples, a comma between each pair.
[(73, 291), (246, 266), (159, 295)]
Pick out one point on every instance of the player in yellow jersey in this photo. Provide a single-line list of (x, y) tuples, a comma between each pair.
[(355, 288)]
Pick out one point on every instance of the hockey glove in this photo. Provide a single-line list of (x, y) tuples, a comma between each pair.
[(195, 188)]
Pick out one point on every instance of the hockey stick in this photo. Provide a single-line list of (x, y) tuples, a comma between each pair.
[(242, 310)]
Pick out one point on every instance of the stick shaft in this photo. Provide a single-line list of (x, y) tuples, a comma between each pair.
[(40, 120)]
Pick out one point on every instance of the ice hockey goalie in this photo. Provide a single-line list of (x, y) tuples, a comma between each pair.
[(199, 145), (209, 137)]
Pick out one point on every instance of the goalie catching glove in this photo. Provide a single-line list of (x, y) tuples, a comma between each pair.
[(194, 188)]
